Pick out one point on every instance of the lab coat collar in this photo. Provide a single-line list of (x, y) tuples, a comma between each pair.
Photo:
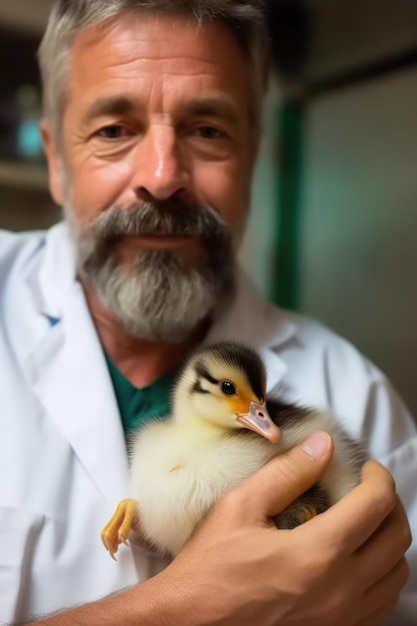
[(249, 319), (67, 368)]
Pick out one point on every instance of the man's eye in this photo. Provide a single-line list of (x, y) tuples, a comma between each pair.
[(209, 132), (111, 132)]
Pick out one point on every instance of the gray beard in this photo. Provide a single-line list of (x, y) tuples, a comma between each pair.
[(159, 296)]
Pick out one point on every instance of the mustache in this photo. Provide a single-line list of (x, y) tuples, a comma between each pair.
[(169, 217), (97, 243)]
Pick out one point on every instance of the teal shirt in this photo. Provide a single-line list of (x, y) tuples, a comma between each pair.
[(137, 406)]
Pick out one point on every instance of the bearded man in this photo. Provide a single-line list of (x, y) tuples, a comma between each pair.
[(151, 128)]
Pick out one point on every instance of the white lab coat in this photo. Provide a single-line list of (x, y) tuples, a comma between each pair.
[(63, 462)]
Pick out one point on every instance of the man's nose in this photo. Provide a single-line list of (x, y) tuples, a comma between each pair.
[(160, 168)]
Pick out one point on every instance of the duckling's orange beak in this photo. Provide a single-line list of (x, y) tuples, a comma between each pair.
[(259, 421)]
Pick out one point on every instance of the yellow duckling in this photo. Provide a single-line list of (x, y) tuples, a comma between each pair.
[(222, 430)]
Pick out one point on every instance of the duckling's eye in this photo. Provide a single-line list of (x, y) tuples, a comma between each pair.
[(228, 388)]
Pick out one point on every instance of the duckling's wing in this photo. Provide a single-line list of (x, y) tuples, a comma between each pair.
[(286, 415), (297, 422)]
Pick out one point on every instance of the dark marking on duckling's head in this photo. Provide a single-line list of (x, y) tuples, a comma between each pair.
[(233, 356), (245, 359), (202, 372)]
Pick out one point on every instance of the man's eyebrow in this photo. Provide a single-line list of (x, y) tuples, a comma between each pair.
[(122, 105), (117, 105), (213, 107)]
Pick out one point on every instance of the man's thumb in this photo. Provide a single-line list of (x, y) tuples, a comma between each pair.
[(276, 485)]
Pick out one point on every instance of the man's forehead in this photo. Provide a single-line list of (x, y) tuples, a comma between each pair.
[(158, 29), (147, 46)]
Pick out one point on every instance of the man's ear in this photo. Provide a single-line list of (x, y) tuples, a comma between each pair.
[(55, 164)]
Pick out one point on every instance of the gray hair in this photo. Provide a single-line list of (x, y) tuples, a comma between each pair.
[(245, 18)]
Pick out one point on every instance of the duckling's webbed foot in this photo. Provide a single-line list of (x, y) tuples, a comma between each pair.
[(307, 506), (118, 528)]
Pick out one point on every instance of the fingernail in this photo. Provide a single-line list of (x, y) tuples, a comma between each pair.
[(317, 444)]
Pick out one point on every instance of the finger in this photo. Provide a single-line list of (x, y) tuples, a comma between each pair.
[(286, 477), (388, 588), (376, 618), (350, 522), (386, 547)]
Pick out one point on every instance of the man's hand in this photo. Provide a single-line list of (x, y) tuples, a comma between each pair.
[(345, 566)]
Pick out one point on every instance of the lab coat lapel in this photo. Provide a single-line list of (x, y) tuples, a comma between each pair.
[(70, 376)]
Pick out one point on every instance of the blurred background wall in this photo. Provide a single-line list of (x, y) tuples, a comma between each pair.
[(347, 193), (334, 210)]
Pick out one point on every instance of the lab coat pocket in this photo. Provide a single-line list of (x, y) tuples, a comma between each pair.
[(19, 530)]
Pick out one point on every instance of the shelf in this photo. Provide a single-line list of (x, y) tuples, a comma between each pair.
[(23, 176), (28, 16)]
